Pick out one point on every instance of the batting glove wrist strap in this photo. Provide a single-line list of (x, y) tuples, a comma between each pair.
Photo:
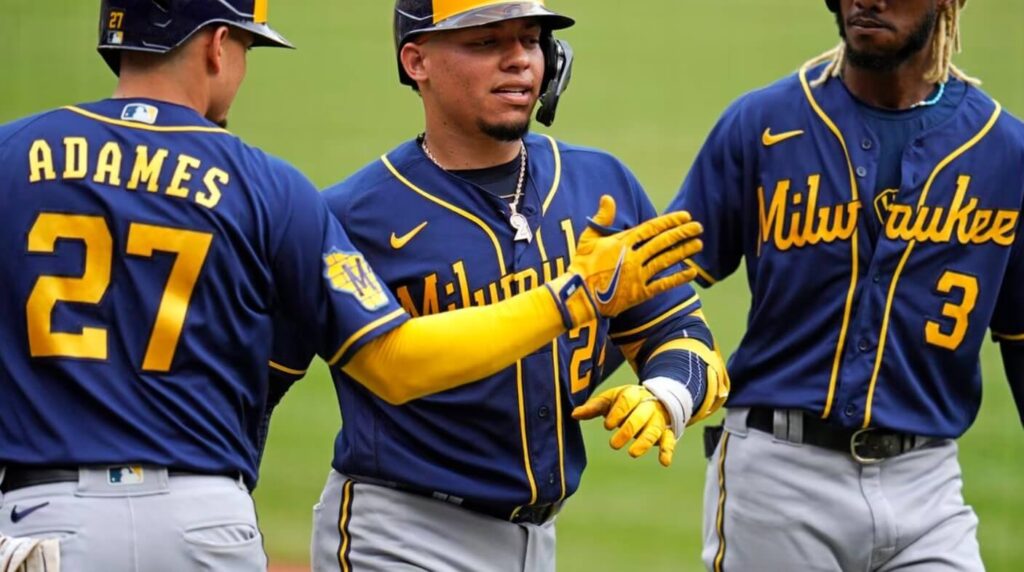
[(573, 299), (676, 399)]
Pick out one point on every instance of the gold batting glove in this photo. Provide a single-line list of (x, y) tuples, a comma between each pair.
[(618, 268), (637, 413)]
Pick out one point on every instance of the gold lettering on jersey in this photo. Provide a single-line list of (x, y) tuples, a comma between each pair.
[(76, 158), (182, 175), (459, 268), (458, 294), (108, 167), (213, 180), (963, 222), (40, 162), (430, 304), (146, 169), (790, 221), (883, 204)]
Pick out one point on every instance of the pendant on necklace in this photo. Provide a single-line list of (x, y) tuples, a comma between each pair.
[(522, 227)]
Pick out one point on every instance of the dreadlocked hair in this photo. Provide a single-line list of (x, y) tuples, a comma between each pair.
[(945, 42)]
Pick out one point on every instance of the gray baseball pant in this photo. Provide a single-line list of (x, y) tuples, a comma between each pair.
[(140, 521), (359, 527), (773, 505)]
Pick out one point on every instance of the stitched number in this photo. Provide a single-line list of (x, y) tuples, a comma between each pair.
[(191, 248), (144, 240), (968, 286), (89, 289), (580, 357)]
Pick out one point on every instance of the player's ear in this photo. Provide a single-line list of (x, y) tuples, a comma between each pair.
[(214, 48), (412, 57)]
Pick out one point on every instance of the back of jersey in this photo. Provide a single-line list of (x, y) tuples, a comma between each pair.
[(137, 291)]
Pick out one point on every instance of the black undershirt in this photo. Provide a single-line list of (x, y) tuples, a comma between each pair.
[(499, 180)]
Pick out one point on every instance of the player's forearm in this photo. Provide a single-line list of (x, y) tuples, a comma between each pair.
[(706, 382), (1013, 363), (442, 351), (667, 353)]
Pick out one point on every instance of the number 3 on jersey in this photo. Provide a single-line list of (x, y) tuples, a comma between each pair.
[(959, 313), (191, 248)]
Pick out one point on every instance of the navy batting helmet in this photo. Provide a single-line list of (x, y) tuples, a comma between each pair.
[(159, 26), (833, 5), (415, 17)]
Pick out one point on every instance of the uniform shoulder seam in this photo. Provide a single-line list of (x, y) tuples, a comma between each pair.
[(29, 121)]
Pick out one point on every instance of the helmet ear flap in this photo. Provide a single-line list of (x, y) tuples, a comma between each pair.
[(558, 59), (833, 5), (550, 49)]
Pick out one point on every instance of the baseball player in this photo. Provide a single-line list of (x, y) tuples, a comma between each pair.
[(470, 212), (147, 251), (875, 197)]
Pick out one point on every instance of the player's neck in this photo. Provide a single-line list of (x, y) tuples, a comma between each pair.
[(899, 88), (162, 87), (455, 150)]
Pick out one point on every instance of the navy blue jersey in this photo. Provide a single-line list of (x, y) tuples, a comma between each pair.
[(864, 331), (441, 243), (145, 252)]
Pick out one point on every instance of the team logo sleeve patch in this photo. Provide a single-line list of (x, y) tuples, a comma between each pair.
[(348, 272)]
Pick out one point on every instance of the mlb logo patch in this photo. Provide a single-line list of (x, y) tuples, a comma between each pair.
[(115, 38), (126, 475), (140, 113), (348, 272)]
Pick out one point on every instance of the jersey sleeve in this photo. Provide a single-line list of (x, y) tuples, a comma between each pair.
[(330, 301), (1008, 318), (713, 193)]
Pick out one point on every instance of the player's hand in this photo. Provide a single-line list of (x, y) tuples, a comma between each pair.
[(619, 268), (637, 413), (24, 554)]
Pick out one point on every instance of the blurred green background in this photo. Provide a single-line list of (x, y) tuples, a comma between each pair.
[(651, 77)]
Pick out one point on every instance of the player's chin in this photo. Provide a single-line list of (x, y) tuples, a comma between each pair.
[(506, 129), (873, 42)]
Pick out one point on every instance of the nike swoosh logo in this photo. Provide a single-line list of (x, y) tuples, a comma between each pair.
[(17, 516), (605, 297), (769, 139), (398, 242)]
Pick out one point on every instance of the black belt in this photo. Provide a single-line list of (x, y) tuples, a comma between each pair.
[(866, 446), (18, 477), (529, 514)]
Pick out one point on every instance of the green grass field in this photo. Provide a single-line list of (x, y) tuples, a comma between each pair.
[(650, 80)]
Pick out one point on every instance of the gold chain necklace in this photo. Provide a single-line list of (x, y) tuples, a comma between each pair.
[(516, 219)]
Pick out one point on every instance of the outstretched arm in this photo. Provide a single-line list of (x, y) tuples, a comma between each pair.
[(609, 274)]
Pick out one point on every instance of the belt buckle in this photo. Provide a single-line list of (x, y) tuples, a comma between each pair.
[(859, 438)]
